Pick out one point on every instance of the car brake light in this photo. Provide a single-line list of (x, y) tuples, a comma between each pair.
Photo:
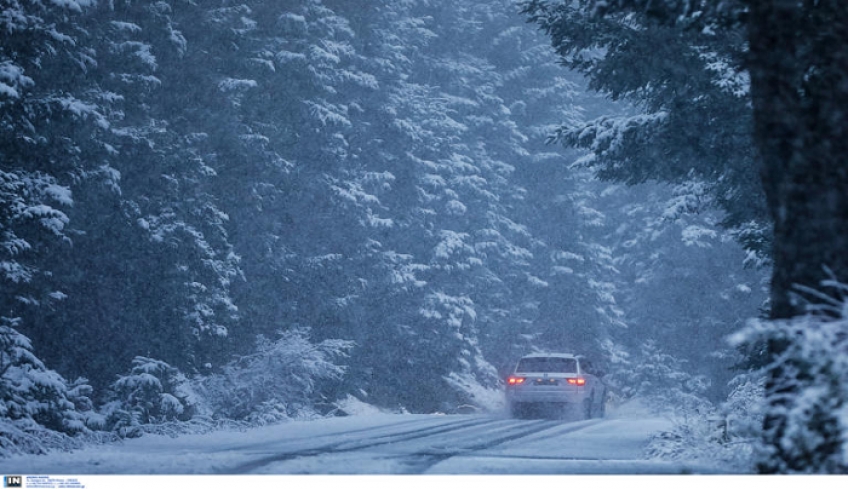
[(577, 381), (515, 380)]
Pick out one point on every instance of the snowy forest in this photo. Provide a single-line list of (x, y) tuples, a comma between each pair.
[(241, 212)]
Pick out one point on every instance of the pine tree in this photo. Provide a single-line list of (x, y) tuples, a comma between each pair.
[(53, 138), (796, 67), (690, 96), (150, 265), (37, 405)]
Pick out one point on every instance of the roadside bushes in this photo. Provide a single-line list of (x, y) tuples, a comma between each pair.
[(798, 397), (806, 408), (38, 408), (722, 435), (279, 380), (716, 433), (661, 381), (152, 393)]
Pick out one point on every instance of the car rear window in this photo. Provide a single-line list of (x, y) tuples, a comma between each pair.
[(547, 364)]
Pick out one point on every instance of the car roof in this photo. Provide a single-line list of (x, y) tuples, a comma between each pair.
[(548, 355)]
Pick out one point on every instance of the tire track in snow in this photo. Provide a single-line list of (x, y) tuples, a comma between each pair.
[(456, 438), (331, 435), (420, 462), (362, 443)]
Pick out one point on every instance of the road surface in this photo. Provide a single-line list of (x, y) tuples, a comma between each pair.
[(384, 444)]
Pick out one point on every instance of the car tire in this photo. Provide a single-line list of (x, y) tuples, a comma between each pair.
[(587, 408), (602, 407), (516, 411)]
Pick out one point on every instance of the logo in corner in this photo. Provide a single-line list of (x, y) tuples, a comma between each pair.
[(13, 481)]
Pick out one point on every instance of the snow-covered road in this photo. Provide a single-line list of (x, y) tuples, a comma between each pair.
[(384, 444)]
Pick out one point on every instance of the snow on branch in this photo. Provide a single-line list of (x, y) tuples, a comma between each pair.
[(153, 392), (606, 136), (38, 408), (275, 382), (12, 80), (809, 383)]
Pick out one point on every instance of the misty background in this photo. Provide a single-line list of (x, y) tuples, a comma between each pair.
[(252, 210)]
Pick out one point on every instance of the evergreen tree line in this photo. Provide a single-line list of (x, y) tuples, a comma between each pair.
[(744, 100), (185, 184), (209, 208)]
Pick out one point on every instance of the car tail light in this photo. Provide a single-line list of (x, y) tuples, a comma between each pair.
[(515, 380), (577, 381)]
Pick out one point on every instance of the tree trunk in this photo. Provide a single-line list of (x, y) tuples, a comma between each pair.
[(799, 86)]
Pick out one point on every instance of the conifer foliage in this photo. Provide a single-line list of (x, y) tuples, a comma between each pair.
[(37, 405), (250, 210), (748, 97)]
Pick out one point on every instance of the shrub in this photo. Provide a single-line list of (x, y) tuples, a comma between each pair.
[(807, 399), (661, 382), (152, 393), (725, 436), (38, 409), (277, 381)]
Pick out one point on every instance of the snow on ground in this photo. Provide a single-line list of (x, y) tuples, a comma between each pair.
[(194, 454), (380, 443)]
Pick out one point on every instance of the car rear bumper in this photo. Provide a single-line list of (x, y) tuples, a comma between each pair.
[(532, 396)]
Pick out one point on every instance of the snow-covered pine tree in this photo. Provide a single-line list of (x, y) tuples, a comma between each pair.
[(796, 73), (37, 405), (150, 265), (683, 283), (37, 163), (153, 392), (808, 385), (52, 137), (690, 94)]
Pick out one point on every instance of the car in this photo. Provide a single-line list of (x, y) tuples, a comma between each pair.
[(555, 384)]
